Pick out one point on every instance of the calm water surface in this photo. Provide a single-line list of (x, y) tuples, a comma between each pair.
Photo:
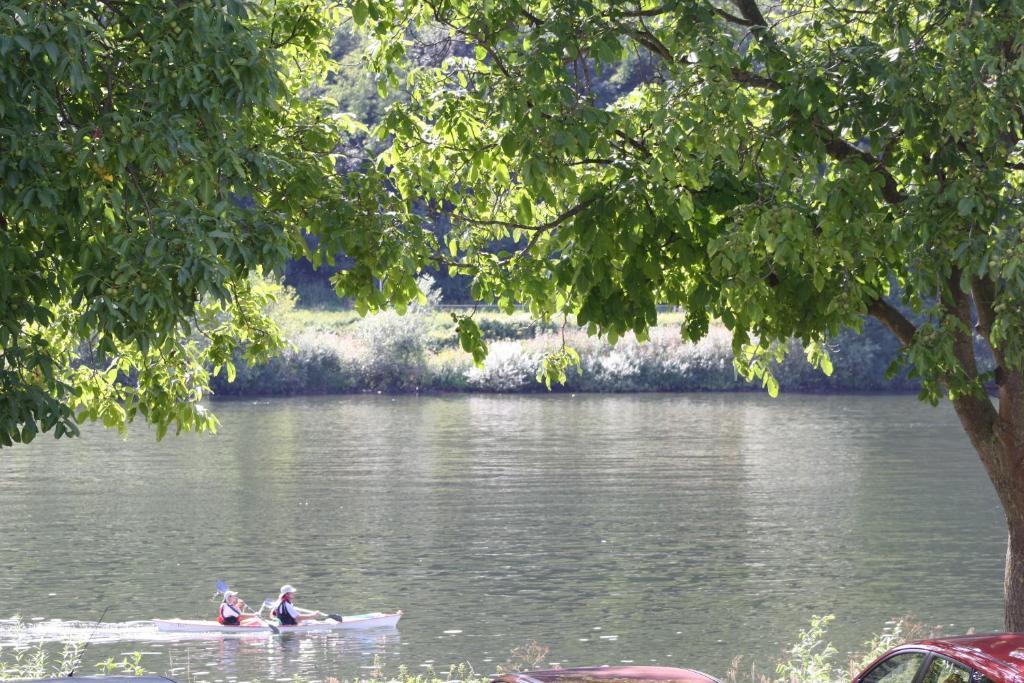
[(678, 530)]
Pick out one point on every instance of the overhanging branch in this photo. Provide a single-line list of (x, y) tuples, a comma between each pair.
[(543, 227), (894, 320), (841, 149)]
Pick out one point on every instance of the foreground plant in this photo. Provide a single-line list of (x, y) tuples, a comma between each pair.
[(129, 665), (36, 662), (813, 658)]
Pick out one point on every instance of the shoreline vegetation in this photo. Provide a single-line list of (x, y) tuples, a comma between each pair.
[(812, 658), (340, 352)]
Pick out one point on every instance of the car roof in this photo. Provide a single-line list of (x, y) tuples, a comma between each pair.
[(979, 651), (609, 674)]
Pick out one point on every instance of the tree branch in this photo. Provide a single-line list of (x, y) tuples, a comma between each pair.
[(649, 41), (532, 18), (894, 320), (974, 408), (984, 299), (543, 227), (592, 161), (834, 144), (638, 145), (655, 46), (732, 18), (959, 307), (751, 12), (747, 78), (841, 149)]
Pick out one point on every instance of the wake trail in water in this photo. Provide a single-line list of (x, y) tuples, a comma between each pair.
[(17, 633)]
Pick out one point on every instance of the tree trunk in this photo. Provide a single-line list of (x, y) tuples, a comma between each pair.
[(998, 438), (1013, 580), (1010, 433)]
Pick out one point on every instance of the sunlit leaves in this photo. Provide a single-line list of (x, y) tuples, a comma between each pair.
[(777, 179), (152, 157), (555, 365)]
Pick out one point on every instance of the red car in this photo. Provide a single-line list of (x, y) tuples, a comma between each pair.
[(995, 658)]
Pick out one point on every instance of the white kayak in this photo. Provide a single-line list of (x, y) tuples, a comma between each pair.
[(371, 620)]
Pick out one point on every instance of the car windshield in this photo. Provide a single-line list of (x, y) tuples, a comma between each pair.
[(899, 668), (943, 670)]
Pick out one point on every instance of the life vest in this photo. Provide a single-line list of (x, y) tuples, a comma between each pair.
[(228, 615), (283, 615)]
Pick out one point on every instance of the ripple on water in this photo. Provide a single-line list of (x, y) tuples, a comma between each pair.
[(535, 515)]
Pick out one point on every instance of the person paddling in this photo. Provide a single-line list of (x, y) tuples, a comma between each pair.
[(287, 613), (232, 611)]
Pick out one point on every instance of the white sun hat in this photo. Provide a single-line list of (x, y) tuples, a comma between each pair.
[(287, 588)]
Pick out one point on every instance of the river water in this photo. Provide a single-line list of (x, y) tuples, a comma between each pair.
[(672, 529)]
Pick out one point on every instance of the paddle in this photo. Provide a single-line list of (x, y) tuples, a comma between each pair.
[(337, 617), (223, 588)]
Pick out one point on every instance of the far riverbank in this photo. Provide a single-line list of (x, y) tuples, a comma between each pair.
[(339, 352)]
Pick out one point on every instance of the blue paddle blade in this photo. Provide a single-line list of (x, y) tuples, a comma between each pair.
[(221, 587)]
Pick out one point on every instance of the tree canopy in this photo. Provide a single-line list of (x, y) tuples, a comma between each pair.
[(789, 169), (153, 156), (784, 172)]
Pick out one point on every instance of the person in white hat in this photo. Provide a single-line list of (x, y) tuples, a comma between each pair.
[(232, 611), (287, 613)]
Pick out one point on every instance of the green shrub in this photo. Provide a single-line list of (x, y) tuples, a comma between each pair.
[(448, 370), (314, 365), (509, 367), (392, 351)]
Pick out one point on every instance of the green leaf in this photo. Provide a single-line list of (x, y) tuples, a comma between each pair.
[(359, 12), (509, 144)]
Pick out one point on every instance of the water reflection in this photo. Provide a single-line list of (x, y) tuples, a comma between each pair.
[(653, 529)]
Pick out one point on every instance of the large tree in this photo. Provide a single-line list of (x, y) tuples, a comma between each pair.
[(789, 170), (153, 156)]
